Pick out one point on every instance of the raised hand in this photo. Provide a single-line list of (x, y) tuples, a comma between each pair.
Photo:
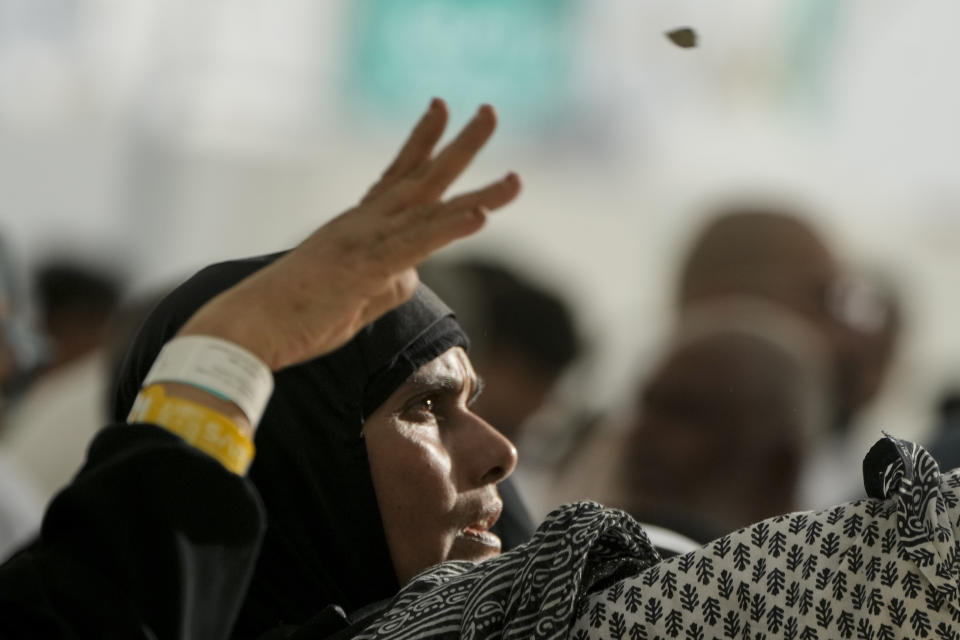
[(362, 263)]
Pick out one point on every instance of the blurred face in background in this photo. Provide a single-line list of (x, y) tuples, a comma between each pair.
[(718, 432)]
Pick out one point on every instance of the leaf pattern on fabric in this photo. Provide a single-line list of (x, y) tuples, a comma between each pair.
[(535, 590), (884, 568)]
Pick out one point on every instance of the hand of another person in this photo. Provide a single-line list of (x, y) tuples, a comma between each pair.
[(362, 263)]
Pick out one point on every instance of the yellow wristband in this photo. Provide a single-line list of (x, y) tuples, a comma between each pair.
[(202, 427)]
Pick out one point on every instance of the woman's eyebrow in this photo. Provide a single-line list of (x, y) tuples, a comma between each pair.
[(443, 383), (435, 383)]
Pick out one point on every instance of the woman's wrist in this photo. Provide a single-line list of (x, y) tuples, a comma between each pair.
[(211, 392), (211, 401), (235, 316), (218, 366), (205, 422)]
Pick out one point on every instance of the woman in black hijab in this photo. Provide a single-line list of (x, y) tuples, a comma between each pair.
[(324, 543)]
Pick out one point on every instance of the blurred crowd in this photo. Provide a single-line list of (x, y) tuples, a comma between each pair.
[(732, 267), (748, 409)]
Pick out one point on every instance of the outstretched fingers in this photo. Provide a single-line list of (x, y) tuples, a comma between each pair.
[(456, 156), (418, 232), (417, 149), (493, 196)]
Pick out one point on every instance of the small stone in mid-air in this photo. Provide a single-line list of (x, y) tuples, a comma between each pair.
[(684, 37)]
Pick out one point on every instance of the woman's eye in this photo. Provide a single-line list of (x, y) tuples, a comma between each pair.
[(423, 409)]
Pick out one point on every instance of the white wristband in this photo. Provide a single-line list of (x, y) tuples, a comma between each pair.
[(220, 367)]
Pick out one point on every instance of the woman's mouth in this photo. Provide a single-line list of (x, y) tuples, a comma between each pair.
[(475, 540), (481, 535)]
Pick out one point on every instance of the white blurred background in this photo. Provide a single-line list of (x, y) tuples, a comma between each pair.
[(155, 136)]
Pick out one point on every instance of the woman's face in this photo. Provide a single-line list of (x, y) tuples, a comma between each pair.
[(435, 465)]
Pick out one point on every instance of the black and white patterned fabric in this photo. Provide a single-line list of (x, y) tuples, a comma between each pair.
[(530, 592), (882, 568)]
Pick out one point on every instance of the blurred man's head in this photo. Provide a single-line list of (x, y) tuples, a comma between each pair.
[(722, 423), (775, 255), (76, 302), (763, 253)]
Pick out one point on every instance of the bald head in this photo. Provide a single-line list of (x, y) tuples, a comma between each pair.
[(722, 423), (772, 254), (759, 252)]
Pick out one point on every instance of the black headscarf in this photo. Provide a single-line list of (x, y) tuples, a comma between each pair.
[(324, 543)]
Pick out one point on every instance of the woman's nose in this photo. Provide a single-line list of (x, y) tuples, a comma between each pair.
[(492, 455)]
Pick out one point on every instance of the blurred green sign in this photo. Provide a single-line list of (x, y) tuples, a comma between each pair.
[(515, 54)]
